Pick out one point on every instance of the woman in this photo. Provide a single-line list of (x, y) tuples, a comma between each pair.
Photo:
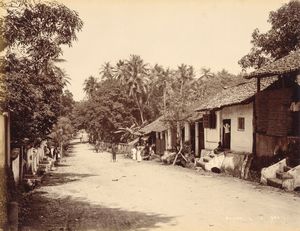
[(133, 152), (139, 153)]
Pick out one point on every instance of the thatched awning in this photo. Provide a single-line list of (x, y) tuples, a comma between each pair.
[(157, 125), (287, 64)]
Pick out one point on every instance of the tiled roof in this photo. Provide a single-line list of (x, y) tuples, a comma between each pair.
[(157, 125), (284, 65), (194, 115), (235, 95)]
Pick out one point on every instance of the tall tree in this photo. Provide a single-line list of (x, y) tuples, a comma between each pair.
[(91, 85), (133, 73), (67, 104), (107, 71), (61, 132), (33, 34), (206, 74), (109, 109), (157, 88), (180, 92), (279, 41)]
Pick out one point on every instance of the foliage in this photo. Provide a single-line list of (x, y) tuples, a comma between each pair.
[(279, 41), (159, 80), (107, 71), (90, 86), (133, 73), (109, 109), (33, 34), (39, 29), (67, 104), (131, 93), (62, 131), (180, 92)]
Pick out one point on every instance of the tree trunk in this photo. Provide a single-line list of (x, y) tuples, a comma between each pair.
[(139, 107), (165, 100)]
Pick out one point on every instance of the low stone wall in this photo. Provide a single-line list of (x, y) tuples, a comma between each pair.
[(295, 172), (235, 164)]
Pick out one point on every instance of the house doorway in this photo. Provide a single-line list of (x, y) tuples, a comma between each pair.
[(201, 136), (226, 133)]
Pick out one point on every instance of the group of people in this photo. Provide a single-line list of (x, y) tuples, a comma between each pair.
[(136, 152), (141, 152)]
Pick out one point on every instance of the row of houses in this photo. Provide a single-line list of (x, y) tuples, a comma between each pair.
[(21, 165), (259, 117)]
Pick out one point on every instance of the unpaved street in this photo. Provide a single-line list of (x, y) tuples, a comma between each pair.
[(89, 192)]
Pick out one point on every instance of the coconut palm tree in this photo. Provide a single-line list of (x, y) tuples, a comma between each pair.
[(160, 80), (185, 74), (206, 73), (90, 85), (107, 71), (134, 74)]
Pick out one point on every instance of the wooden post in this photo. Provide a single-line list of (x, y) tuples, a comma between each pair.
[(258, 84), (179, 133), (196, 138), (187, 131), (3, 175), (169, 144)]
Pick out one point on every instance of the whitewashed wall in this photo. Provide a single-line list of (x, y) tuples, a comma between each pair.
[(241, 141)]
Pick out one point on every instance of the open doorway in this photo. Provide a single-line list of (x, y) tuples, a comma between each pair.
[(226, 133)]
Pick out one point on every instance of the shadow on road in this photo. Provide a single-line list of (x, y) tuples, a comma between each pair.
[(55, 179), (42, 213)]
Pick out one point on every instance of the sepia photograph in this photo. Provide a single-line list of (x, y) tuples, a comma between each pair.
[(149, 115)]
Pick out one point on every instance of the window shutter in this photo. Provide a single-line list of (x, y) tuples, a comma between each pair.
[(210, 120), (206, 120), (213, 120)]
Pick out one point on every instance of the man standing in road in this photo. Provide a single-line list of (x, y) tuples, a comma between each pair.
[(114, 152)]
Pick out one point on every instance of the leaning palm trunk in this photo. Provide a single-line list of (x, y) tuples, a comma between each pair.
[(140, 107)]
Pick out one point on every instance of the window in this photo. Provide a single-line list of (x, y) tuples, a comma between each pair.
[(241, 124), (210, 120)]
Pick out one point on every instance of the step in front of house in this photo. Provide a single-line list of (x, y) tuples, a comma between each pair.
[(206, 159), (283, 175), (200, 163), (275, 182), (211, 155)]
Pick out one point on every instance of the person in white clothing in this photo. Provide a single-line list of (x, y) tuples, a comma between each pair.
[(226, 135), (133, 152), (139, 153)]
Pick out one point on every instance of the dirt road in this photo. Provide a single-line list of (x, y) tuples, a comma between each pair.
[(89, 192)]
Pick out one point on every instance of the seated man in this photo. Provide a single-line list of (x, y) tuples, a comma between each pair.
[(219, 149)]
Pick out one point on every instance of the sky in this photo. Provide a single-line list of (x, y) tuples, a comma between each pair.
[(213, 34)]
